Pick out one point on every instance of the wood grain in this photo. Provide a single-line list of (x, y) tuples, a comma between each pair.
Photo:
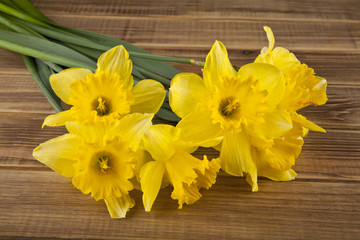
[(309, 10), (322, 203)]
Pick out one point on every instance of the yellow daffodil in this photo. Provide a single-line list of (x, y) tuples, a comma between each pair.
[(99, 158), (303, 88), (275, 161), (172, 161), (106, 94), (241, 107)]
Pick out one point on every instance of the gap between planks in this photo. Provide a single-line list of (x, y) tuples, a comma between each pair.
[(204, 18)]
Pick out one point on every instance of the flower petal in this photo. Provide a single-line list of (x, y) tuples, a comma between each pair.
[(58, 153), (151, 176), (142, 157), (271, 39), (303, 88), (149, 96), (62, 81), (186, 90), (306, 123), (159, 141), (269, 78), (207, 175), (116, 60), (118, 206), (180, 170), (90, 133), (131, 128), (197, 128), (277, 175), (58, 119), (276, 124), (217, 65), (235, 154), (279, 57)]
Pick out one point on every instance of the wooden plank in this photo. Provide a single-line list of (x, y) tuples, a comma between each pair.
[(236, 34), (43, 204), (309, 10)]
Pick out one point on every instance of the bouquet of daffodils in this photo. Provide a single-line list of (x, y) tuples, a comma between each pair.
[(114, 90)]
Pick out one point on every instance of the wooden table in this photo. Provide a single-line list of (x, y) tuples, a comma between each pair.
[(323, 201)]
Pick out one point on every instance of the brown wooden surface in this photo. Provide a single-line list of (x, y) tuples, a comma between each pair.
[(322, 203)]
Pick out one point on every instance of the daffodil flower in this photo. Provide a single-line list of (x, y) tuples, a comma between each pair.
[(239, 106), (99, 158), (303, 87), (171, 160), (105, 95)]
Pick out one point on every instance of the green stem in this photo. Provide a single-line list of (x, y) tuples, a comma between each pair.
[(149, 74), (165, 58)]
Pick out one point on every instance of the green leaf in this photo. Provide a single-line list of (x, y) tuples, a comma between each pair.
[(31, 10), (167, 115), (135, 72), (19, 14), (17, 27), (11, 4), (30, 65), (45, 50), (152, 75), (54, 66), (64, 36)]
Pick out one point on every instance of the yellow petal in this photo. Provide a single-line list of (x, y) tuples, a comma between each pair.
[(58, 119), (116, 61), (131, 128), (180, 170), (186, 90), (276, 124), (318, 95), (269, 78), (159, 141), (149, 96), (197, 128), (303, 88), (306, 123), (89, 133), (279, 57), (207, 175), (251, 179), (62, 81), (283, 59), (217, 65), (118, 206), (277, 175), (235, 154), (151, 176), (270, 37), (142, 157), (58, 153)]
